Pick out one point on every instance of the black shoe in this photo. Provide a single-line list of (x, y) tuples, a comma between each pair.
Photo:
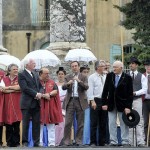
[(125, 145), (93, 145), (113, 145), (65, 145), (78, 145), (24, 144), (141, 145), (36, 145)]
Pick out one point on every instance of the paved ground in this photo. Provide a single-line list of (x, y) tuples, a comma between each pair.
[(74, 148)]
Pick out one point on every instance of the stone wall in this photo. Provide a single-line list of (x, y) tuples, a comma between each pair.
[(16, 41), (16, 12)]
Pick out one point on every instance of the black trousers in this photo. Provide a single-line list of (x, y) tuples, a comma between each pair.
[(1, 133), (98, 124), (146, 112), (13, 134), (27, 114)]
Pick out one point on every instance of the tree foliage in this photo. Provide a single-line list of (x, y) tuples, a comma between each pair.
[(137, 15)]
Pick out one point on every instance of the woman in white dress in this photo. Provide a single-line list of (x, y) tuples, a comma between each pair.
[(59, 129)]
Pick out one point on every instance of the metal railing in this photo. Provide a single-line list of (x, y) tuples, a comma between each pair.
[(40, 18)]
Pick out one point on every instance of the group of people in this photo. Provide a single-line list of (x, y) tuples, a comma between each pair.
[(91, 104)]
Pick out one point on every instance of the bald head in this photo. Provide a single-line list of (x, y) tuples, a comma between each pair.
[(44, 74), (117, 67), (118, 63)]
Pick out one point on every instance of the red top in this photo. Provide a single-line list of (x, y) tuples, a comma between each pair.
[(51, 109), (11, 111)]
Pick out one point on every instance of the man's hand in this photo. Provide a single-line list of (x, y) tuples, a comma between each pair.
[(93, 104), (46, 96), (38, 96), (127, 111), (76, 78), (105, 107), (70, 82)]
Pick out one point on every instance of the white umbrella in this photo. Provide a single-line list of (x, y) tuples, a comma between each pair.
[(2, 66), (43, 58), (80, 55), (9, 59)]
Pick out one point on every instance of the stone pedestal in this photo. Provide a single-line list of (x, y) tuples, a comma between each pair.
[(61, 48), (67, 26)]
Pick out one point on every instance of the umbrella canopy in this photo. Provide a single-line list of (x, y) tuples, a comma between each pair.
[(9, 59), (43, 58), (3, 67), (80, 55)]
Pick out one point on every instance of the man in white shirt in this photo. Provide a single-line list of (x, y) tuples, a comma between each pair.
[(97, 115), (139, 89), (146, 102)]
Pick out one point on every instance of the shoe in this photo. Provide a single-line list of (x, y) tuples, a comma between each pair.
[(92, 145), (113, 145), (86, 145), (66, 145), (24, 144), (36, 145), (78, 145), (142, 145), (125, 145), (51, 145)]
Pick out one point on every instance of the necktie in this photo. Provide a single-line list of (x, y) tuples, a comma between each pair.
[(148, 90), (31, 74), (102, 80), (132, 75), (116, 80)]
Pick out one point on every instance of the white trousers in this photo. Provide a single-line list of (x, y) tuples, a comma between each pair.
[(137, 105), (51, 134), (113, 128)]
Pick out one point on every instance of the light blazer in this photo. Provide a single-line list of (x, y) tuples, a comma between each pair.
[(82, 88), (120, 96), (29, 88)]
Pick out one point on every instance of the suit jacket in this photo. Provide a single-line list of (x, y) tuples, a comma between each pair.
[(29, 88), (121, 96), (82, 88)]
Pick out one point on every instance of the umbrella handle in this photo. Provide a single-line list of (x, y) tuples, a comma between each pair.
[(148, 131)]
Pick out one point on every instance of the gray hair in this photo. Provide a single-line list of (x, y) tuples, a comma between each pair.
[(10, 66), (98, 63)]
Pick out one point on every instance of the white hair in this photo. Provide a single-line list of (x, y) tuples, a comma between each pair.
[(24, 62), (118, 63)]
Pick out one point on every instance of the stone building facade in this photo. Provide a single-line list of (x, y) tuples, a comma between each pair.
[(94, 24)]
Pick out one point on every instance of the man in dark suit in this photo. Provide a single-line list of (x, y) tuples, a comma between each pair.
[(117, 97), (30, 101), (76, 85)]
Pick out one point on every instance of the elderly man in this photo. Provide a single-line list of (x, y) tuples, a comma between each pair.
[(76, 85), (139, 88), (51, 113), (117, 97), (30, 101)]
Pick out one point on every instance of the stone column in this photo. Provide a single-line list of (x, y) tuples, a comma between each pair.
[(2, 49), (67, 26)]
